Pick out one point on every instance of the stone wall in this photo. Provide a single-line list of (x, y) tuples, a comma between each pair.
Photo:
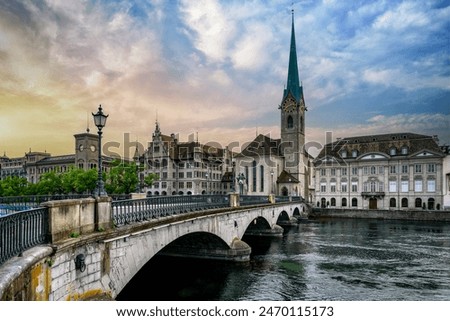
[(421, 215)]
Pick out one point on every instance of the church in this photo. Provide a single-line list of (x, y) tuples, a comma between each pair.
[(280, 166)]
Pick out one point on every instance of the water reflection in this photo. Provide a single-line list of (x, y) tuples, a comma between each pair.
[(317, 260)]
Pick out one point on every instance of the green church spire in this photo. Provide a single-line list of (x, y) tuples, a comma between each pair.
[(293, 81)]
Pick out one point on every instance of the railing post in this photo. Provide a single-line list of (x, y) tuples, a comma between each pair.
[(234, 200), (272, 198), (103, 213)]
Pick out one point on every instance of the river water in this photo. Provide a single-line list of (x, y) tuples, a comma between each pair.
[(328, 259)]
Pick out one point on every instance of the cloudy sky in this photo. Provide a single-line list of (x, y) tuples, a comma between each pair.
[(218, 68)]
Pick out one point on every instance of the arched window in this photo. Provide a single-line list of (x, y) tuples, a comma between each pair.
[(418, 202), (404, 202), (392, 202), (290, 122), (344, 202), (404, 150), (322, 202), (261, 172), (333, 201), (254, 176), (354, 202), (392, 151), (431, 203)]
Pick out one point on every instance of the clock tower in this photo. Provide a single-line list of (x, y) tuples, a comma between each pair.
[(86, 150), (293, 110)]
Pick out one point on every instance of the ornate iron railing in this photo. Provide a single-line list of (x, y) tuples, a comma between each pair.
[(253, 199), (22, 230), (130, 211)]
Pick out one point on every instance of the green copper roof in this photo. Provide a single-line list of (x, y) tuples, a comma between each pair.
[(293, 82)]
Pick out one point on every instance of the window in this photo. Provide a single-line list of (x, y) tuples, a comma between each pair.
[(380, 187), (373, 186), (344, 202), (392, 202), (366, 170), (344, 154), (392, 169), (354, 170), (163, 184), (380, 170), (404, 202), (431, 203), (344, 171), (323, 172), (418, 168), (290, 122), (323, 187), (405, 186), (404, 169), (393, 151), (333, 172), (188, 184), (354, 187), (333, 187), (431, 168), (354, 153), (392, 186), (404, 150), (343, 187), (354, 202), (418, 202), (373, 170), (261, 170), (418, 185), (333, 201), (254, 176), (431, 185)]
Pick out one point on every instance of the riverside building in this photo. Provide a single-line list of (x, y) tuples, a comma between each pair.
[(388, 171)]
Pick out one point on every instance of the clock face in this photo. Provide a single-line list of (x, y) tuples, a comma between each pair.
[(289, 105), (92, 148)]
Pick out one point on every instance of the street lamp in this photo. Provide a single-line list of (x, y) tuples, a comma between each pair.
[(271, 175), (100, 122)]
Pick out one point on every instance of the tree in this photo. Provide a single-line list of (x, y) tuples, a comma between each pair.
[(13, 186), (49, 183), (122, 178), (150, 179)]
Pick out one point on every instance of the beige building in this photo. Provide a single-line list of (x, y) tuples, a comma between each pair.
[(388, 171)]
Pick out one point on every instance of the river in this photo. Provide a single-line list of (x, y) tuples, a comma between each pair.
[(317, 260)]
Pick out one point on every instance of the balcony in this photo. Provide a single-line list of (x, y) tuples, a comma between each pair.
[(378, 195)]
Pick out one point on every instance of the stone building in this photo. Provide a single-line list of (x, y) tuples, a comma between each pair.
[(280, 166), (186, 168), (33, 164), (387, 171)]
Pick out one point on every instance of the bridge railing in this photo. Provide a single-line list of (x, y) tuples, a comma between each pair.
[(136, 210), (22, 230)]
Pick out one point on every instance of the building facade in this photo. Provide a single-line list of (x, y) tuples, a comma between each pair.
[(388, 171), (34, 164), (185, 168)]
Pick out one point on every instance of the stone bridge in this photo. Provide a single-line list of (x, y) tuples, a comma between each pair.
[(99, 260)]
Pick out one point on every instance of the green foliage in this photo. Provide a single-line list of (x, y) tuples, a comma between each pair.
[(13, 185), (150, 179), (122, 178), (73, 181)]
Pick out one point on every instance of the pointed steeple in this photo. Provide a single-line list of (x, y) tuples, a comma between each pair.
[(293, 81)]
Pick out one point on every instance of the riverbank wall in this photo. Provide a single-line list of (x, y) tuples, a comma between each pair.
[(410, 215)]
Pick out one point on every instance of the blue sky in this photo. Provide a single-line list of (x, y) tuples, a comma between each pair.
[(218, 68)]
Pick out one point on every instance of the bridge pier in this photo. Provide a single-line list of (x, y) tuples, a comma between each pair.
[(239, 251), (276, 231)]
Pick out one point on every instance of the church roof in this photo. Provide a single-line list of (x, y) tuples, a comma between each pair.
[(262, 145), (293, 81), (286, 177)]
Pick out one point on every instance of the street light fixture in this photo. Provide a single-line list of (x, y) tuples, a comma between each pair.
[(100, 122), (241, 179), (271, 175)]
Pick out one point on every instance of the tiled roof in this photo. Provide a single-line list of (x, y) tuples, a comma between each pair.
[(380, 144), (262, 145)]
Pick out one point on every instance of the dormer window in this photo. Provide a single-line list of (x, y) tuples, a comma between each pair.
[(405, 150), (393, 151), (354, 153), (344, 154)]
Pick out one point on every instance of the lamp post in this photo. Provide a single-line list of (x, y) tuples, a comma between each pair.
[(271, 176), (100, 122)]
